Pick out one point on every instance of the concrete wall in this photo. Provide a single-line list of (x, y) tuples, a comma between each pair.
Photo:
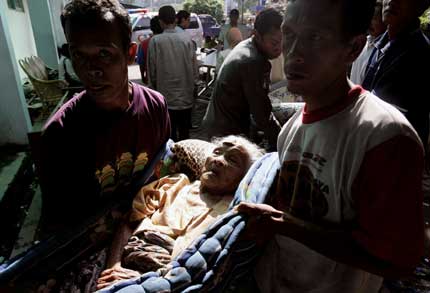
[(14, 118), (41, 21), (21, 32), (56, 9)]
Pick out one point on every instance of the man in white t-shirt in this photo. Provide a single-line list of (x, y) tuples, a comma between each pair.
[(347, 207)]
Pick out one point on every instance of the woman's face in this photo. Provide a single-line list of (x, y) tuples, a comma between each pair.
[(224, 168)]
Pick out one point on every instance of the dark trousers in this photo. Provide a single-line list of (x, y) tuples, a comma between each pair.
[(180, 120)]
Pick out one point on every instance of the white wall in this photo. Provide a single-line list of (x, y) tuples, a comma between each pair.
[(21, 32), (41, 21), (14, 118), (56, 9)]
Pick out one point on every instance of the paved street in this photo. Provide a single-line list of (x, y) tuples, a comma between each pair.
[(134, 73)]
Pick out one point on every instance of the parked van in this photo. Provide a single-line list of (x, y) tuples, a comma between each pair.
[(140, 24), (211, 28), (196, 30)]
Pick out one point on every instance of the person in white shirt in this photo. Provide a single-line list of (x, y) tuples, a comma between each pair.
[(182, 20), (65, 67), (377, 27), (347, 207)]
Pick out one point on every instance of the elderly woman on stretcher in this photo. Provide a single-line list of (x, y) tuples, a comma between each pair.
[(169, 213)]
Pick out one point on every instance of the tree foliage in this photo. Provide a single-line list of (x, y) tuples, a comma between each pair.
[(212, 7), (425, 19)]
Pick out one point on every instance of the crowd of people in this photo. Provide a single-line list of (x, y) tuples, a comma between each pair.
[(346, 210)]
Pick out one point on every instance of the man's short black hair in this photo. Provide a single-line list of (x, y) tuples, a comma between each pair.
[(357, 15), (268, 20), (425, 5), (182, 14), (85, 13), (155, 25), (234, 12), (167, 14)]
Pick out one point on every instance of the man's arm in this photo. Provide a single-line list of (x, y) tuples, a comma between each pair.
[(389, 238), (151, 64), (144, 205), (194, 62), (115, 272), (259, 103), (336, 244), (221, 38), (122, 235), (64, 189)]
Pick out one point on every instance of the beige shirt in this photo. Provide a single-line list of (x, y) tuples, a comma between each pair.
[(174, 206)]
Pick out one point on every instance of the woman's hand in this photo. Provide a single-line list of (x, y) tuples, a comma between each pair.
[(115, 274)]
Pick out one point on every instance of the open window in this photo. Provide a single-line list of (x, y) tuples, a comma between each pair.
[(16, 5)]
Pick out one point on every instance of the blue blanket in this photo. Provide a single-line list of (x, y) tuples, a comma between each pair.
[(216, 258)]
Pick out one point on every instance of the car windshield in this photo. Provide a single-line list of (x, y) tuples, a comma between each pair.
[(133, 19), (193, 23), (139, 22), (207, 21)]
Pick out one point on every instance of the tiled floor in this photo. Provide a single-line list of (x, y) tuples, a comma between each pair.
[(10, 162), (27, 234)]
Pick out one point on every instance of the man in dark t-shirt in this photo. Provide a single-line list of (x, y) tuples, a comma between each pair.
[(242, 86), (103, 138)]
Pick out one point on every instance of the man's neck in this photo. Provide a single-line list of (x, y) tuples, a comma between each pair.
[(118, 103), (257, 45), (170, 26), (395, 30), (331, 95)]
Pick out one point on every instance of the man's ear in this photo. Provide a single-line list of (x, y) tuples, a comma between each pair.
[(355, 46), (132, 50), (258, 37)]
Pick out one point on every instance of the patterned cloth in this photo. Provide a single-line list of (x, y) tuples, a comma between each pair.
[(192, 155)]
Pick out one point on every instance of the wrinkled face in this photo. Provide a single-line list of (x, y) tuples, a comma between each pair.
[(397, 12), (224, 169), (99, 59), (313, 48), (377, 27), (270, 43)]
